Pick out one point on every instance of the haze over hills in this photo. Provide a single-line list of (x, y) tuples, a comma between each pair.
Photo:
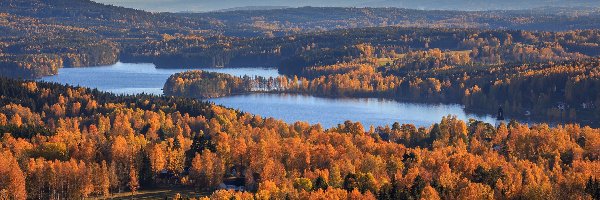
[(251, 8), (209, 5), (479, 4)]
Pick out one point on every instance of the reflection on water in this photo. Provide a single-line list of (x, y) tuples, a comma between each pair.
[(133, 78), (330, 112), (128, 78)]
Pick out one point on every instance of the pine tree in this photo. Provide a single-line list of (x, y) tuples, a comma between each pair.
[(200, 143), (321, 183), (592, 187)]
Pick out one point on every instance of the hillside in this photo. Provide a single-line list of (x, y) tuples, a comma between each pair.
[(297, 20), (36, 33), (106, 20)]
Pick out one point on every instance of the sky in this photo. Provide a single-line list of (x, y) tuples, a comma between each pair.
[(212, 5)]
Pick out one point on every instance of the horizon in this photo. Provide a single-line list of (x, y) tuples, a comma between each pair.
[(175, 6)]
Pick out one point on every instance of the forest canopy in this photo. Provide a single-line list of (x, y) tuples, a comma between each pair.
[(96, 144), (64, 142)]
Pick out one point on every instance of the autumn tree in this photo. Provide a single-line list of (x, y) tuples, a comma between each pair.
[(12, 179), (133, 180)]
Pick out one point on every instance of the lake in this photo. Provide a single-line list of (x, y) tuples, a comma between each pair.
[(135, 78), (330, 112), (129, 78)]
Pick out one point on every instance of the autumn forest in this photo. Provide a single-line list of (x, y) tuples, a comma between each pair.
[(60, 141)]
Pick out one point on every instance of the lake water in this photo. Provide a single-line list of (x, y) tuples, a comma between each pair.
[(128, 78), (134, 78), (330, 112)]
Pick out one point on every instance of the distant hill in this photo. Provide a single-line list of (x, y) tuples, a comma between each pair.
[(211, 5), (479, 4), (39, 35), (125, 23), (253, 8), (106, 20), (297, 20)]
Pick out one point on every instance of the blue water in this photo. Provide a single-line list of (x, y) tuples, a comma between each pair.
[(128, 78), (330, 112), (133, 78)]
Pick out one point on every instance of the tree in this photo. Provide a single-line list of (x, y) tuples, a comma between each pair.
[(592, 187), (386, 191), (335, 177), (3, 119), (114, 177), (147, 175), (197, 171), (351, 182), (476, 191), (303, 184), (158, 160), (176, 160), (133, 180), (367, 183), (12, 179), (268, 190), (489, 177), (121, 160), (16, 120), (206, 170), (321, 183), (104, 179), (200, 143), (434, 134), (417, 187), (429, 193)]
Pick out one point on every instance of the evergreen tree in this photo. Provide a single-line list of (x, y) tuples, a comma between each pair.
[(320, 183)]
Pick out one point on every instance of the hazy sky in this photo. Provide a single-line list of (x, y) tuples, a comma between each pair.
[(211, 5)]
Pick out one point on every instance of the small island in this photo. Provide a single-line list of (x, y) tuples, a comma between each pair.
[(203, 84)]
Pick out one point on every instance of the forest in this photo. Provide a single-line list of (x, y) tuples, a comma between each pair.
[(71, 142), (36, 35), (293, 53), (66, 142), (551, 91), (200, 84)]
